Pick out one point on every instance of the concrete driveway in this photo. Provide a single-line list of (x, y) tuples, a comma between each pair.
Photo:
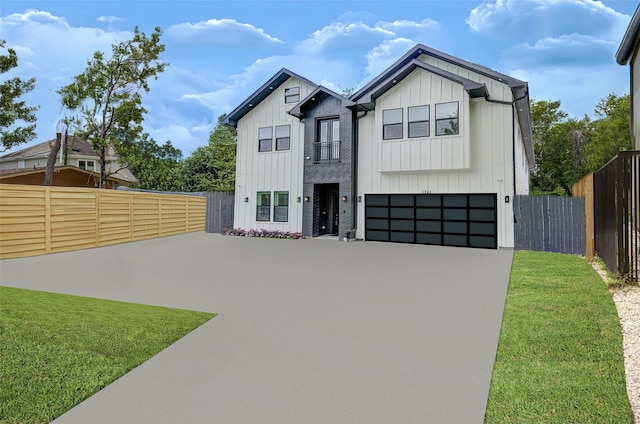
[(308, 331)]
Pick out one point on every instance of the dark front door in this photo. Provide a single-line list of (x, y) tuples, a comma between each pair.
[(325, 209)]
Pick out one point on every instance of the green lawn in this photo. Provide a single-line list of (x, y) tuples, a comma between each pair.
[(560, 356), (57, 350)]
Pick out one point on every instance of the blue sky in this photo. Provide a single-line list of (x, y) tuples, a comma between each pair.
[(221, 51)]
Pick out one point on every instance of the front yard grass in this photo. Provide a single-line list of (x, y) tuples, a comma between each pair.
[(560, 357), (57, 350)]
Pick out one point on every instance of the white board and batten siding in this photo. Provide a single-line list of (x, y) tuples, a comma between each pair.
[(478, 160), (270, 171)]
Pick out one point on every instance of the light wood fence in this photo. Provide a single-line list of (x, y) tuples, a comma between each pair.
[(36, 220)]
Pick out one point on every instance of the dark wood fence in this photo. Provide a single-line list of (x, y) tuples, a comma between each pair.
[(219, 211), (550, 224), (616, 188)]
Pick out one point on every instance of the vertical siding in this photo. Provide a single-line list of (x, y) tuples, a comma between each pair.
[(489, 165), (270, 171)]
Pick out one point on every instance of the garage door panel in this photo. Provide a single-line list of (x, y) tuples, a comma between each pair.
[(402, 225), (479, 228), (488, 215), (377, 224), (423, 213), (468, 220)]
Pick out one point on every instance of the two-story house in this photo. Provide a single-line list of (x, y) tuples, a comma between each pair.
[(431, 151), (75, 162)]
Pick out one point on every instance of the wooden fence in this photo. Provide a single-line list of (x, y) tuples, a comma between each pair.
[(219, 211), (550, 224), (36, 220)]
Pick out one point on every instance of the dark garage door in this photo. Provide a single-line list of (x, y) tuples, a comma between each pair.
[(467, 220)]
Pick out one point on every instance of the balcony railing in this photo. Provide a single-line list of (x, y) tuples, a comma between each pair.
[(326, 151)]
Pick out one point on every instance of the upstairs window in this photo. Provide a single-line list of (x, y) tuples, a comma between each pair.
[(281, 206), (265, 139), (263, 208), (419, 121), (88, 165), (447, 122), (391, 124), (283, 137), (292, 95)]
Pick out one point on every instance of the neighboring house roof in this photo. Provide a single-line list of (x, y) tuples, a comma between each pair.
[(630, 40), (312, 99), (365, 97), (260, 94), (80, 147), (16, 172)]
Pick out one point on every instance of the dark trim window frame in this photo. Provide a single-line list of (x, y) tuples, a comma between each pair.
[(88, 165), (419, 121), (292, 95), (447, 118), (392, 122), (283, 137), (263, 206), (280, 206), (265, 139)]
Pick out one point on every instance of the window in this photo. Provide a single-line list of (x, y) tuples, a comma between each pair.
[(21, 164), (292, 95), (391, 124), (447, 118), (281, 206), (263, 208), (419, 121), (265, 139), (283, 137), (89, 165), (327, 148)]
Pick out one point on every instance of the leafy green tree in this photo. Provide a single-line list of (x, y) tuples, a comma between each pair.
[(109, 92), (212, 167), (13, 110), (611, 130), (155, 166)]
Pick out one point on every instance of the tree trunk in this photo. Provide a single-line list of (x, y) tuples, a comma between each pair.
[(51, 160), (103, 166)]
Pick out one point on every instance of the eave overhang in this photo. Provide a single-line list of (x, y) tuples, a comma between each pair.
[(630, 40), (368, 100), (260, 94), (319, 94)]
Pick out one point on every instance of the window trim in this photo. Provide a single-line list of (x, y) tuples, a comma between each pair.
[(449, 118), (86, 163), (290, 97), (281, 139), (261, 140), (276, 199), (427, 121), (266, 207), (385, 125)]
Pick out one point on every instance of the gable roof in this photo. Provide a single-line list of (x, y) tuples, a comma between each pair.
[(364, 98), (630, 40), (80, 147), (367, 98), (316, 96), (260, 94)]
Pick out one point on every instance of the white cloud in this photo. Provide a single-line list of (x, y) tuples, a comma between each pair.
[(344, 36), (565, 51), (384, 55), (221, 32), (534, 19)]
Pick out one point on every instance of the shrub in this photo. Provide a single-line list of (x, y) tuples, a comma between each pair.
[(239, 232)]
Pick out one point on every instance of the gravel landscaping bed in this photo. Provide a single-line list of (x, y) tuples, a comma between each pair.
[(627, 300)]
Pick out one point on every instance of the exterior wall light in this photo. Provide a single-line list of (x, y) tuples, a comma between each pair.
[(299, 199), (344, 199), (359, 199), (306, 199), (246, 200)]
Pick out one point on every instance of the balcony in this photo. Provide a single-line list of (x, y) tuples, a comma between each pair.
[(326, 151)]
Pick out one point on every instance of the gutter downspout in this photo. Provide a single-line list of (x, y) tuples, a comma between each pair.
[(354, 170), (513, 135)]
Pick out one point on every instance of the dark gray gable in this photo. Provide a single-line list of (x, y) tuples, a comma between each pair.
[(312, 99), (260, 94)]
